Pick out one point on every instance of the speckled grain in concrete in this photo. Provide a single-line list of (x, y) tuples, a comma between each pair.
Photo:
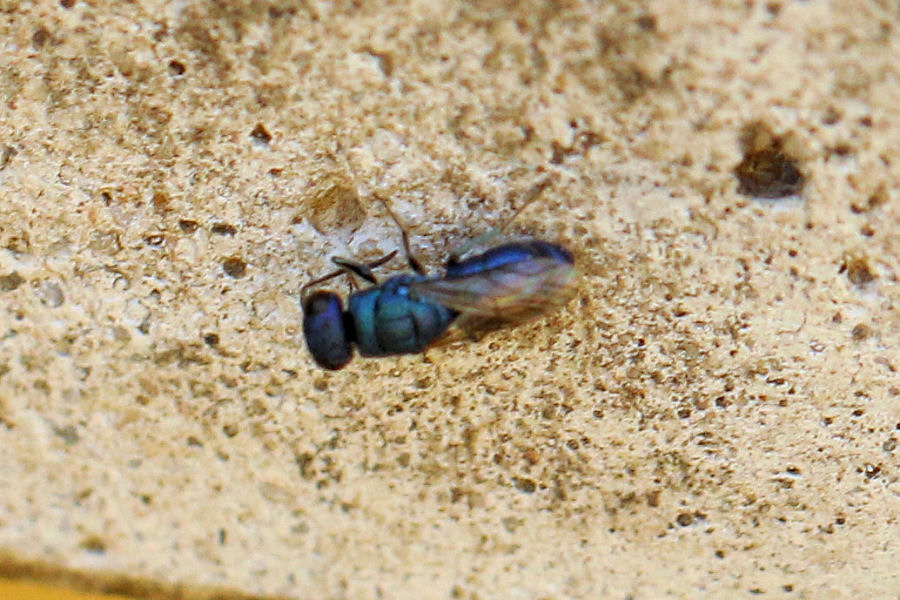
[(714, 414)]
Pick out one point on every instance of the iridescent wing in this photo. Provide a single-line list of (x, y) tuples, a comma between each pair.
[(503, 295)]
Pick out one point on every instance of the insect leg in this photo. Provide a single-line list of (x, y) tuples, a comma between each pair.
[(493, 232), (414, 263), (457, 254)]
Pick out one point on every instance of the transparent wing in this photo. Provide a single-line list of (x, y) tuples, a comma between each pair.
[(500, 296)]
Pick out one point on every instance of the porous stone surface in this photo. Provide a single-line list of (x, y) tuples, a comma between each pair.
[(713, 415)]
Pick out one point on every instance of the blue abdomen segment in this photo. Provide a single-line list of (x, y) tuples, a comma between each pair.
[(388, 321), (506, 254)]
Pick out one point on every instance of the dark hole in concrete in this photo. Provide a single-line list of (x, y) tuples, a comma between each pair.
[(261, 134), (234, 266), (40, 37), (857, 269), (94, 544), (11, 282), (223, 229), (188, 226), (767, 170), (176, 68)]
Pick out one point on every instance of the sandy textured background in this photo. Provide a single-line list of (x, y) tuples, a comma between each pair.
[(714, 415)]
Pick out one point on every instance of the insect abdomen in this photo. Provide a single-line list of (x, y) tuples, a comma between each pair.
[(388, 321)]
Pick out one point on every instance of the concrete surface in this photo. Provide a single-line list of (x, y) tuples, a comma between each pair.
[(715, 415)]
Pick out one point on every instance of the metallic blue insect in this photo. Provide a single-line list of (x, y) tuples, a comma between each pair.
[(407, 314)]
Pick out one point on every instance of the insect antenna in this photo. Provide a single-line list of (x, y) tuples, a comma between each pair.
[(363, 270), (532, 195)]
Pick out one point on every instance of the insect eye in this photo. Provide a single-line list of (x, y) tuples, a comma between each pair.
[(325, 331)]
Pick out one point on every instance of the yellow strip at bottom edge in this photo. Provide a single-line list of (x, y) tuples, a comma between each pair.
[(21, 589)]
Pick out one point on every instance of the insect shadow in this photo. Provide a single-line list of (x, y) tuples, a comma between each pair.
[(409, 313)]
